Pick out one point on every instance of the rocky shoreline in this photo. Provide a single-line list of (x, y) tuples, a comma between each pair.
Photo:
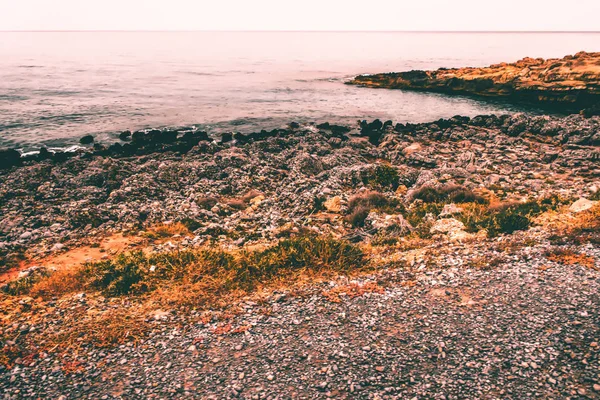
[(571, 83), (480, 235), (165, 175)]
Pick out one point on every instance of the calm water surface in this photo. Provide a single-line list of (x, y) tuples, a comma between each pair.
[(57, 87)]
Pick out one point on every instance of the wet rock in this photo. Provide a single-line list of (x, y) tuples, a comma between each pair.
[(125, 135), (9, 158), (87, 139)]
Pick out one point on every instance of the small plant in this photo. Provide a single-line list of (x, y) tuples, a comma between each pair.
[(447, 194), (209, 273), (168, 230), (23, 284), (191, 224), (384, 176), (120, 276), (569, 257), (360, 205), (206, 202), (351, 291)]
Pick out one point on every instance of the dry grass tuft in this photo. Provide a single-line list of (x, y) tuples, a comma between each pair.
[(58, 283), (447, 194), (209, 277), (163, 231), (105, 329), (570, 258), (361, 205)]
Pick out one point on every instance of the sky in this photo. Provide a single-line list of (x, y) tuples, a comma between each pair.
[(329, 15)]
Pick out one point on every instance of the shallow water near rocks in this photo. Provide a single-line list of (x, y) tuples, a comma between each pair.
[(57, 87)]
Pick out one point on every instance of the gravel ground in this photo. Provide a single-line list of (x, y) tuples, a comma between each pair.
[(528, 328)]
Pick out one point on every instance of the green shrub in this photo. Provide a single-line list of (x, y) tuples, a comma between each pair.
[(507, 217), (24, 284), (384, 176), (120, 275)]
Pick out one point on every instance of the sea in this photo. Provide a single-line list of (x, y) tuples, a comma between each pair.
[(56, 87)]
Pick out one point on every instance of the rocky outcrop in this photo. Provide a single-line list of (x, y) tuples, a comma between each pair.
[(572, 81)]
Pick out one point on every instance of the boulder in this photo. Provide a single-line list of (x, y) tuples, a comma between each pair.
[(452, 228), (125, 135), (581, 205), (333, 204), (9, 158), (87, 139)]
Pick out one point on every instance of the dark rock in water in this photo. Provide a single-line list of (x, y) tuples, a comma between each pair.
[(128, 149), (240, 137), (591, 111), (169, 136), (373, 130), (115, 149), (155, 136), (44, 154), (9, 158), (138, 137), (399, 127), (60, 156), (337, 130), (294, 125), (226, 137), (460, 120), (125, 135), (87, 139), (202, 136)]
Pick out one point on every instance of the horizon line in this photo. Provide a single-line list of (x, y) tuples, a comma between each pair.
[(274, 31)]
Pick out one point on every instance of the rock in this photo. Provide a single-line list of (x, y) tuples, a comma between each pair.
[(9, 158), (58, 247), (451, 227), (25, 235), (581, 205), (44, 154), (125, 135), (596, 387), (412, 148), (450, 209), (380, 221), (333, 204), (552, 81), (226, 137), (87, 139)]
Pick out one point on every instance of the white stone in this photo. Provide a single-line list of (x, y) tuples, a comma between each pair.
[(582, 204)]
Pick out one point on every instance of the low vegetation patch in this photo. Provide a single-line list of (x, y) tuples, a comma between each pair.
[(447, 194), (163, 231), (351, 291), (383, 176), (362, 204), (204, 277), (570, 257)]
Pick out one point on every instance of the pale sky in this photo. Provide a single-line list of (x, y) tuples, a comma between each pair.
[(370, 15)]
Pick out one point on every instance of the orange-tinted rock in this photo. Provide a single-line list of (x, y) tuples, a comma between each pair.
[(572, 80)]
